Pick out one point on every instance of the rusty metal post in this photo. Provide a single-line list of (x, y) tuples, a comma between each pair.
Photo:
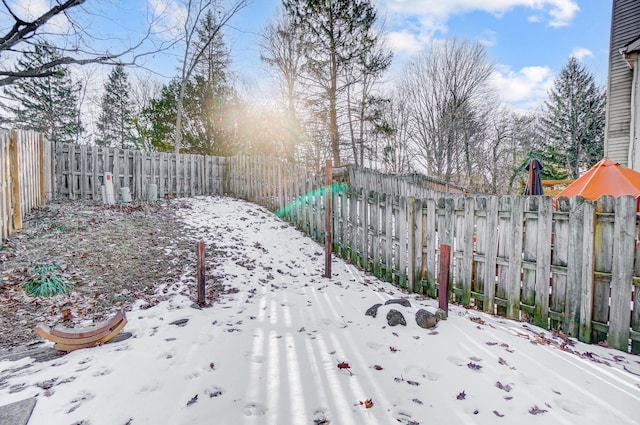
[(443, 278), (201, 269), (328, 199)]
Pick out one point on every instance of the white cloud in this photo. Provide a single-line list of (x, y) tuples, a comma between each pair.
[(525, 88), (405, 42), (170, 18), (534, 19), (580, 53), (426, 17), (489, 38), (30, 10), (561, 12)]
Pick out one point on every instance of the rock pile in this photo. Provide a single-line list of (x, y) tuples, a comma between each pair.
[(424, 318)]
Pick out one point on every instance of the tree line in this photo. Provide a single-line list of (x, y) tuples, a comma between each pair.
[(328, 60)]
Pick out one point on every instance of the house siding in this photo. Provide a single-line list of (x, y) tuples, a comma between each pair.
[(625, 27)]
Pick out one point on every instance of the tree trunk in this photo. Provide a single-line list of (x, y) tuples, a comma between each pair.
[(354, 148), (178, 129)]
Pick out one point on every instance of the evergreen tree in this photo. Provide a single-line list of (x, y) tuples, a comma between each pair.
[(214, 94), (205, 127), (338, 37), (573, 119), (215, 60), (46, 104), (115, 123), (209, 101)]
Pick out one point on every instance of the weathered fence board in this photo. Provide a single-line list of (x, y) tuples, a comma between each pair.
[(23, 177), (80, 172), (603, 263), (543, 262), (622, 271), (559, 263)]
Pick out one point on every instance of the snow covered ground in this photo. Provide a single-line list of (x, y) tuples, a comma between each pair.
[(268, 352)]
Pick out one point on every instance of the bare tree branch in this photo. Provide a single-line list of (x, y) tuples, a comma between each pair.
[(22, 30), (25, 33)]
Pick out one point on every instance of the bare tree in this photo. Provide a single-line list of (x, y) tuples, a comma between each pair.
[(76, 44), (193, 52), (281, 49), (446, 89), (392, 133), (362, 106)]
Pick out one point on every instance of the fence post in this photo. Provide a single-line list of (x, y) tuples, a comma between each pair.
[(327, 219), (200, 276), (443, 278), (16, 215)]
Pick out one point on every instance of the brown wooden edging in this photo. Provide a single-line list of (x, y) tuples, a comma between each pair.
[(69, 339)]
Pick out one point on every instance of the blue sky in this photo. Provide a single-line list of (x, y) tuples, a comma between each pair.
[(528, 40)]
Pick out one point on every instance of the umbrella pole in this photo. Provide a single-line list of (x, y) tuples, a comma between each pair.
[(530, 177)]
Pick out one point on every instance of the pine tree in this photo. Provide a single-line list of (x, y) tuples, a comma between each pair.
[(214, 94), (115, 123), (214, 63), (339, 37), (47, 104), (573, 119)]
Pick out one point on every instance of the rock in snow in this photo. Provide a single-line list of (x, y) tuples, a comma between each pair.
[(426, 319), (373, 310), (394, 317), (402, 301)]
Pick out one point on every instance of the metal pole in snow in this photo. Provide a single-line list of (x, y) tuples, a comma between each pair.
[(443, 278), (327, 219), (200, 277)]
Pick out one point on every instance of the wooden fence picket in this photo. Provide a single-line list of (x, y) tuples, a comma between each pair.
[(622, 271), (603, 265), (388, 242), (543, 262), (571, 321), (515, 258), (586, 287), (467, 236), (559, 263)]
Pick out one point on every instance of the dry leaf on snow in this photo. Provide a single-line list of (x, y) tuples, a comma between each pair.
[(368, 404)]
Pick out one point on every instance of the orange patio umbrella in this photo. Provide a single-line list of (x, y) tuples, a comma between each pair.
[(604, 178)]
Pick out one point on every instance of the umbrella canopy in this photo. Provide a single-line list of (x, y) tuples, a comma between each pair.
[(604, 178), (534, 183)]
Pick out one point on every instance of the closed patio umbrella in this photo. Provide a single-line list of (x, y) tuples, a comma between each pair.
[(534, 183)]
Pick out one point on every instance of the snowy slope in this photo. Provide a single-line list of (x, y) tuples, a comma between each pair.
[(268, 352)]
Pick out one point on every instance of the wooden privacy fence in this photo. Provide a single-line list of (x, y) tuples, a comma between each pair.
[(34, 171), (80, 169), (23, 183), (575, 268)]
